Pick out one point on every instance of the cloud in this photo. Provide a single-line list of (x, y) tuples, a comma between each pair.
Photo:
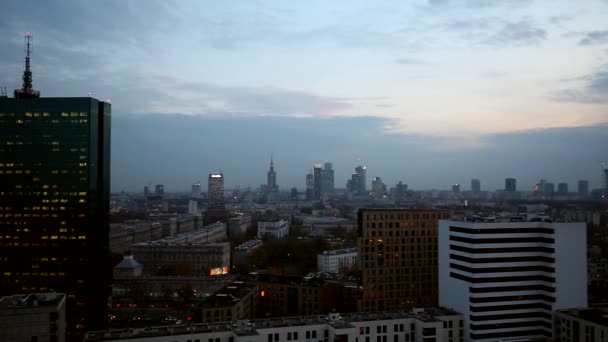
[(560, 19), (594, 37), (593, 90), (517, 33), (206, 98), (411, 61)]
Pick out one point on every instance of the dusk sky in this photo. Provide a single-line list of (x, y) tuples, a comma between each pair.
[(428, 92)]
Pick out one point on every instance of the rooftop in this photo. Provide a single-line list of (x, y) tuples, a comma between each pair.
[(594, 315), (340, 251), (247, 328), (32, 300)]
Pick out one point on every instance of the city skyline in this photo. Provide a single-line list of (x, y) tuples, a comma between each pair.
[(475, 87)]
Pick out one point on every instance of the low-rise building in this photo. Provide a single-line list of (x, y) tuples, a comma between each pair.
[(36, 317), (243, 251), (236, 301), (337, 260), (194, 259), (276, 229), (582, 325), (419, 325), (238, 225)]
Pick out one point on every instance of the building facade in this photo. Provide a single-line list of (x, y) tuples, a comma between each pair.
[(277, 229), (318, 192), (187, 259), (510, 185), (509, 278), (36, 317), (581, 325), (475, 186), (54, 202), (420, 325), (337, 261), (215, 192), (398, 258)]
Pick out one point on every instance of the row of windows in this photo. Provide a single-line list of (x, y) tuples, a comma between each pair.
[(45, 114)]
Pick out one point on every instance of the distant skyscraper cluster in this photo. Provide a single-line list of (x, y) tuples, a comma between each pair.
[(357, 185), (320, 182)]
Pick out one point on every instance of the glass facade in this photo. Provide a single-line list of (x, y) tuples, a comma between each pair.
[(54, 201)]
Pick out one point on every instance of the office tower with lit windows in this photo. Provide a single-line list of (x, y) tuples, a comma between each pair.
[(215, 192), (397, 251), (54, 203)]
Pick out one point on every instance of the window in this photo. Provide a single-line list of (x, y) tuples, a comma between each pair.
[(289, 336)]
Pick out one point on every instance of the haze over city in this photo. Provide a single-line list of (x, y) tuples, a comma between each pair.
[(430, 93)]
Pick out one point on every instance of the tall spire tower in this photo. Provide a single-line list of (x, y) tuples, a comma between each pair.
[(272, 178), (27, 91)]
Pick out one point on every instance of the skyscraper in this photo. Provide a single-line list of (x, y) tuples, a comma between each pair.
[(54, 203), (215, 192), (356, 184), (328, 179), (583, 188), (378, 187), (272, 179), (159, 190), (400, 193), (196, 190), (475, 186), (310, 186), (510, 184), (318, 182), (456, 188), (509, 278), (54, 200), (397, 251), (562, 189)]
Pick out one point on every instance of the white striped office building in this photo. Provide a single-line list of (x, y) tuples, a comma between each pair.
[(508, 279)]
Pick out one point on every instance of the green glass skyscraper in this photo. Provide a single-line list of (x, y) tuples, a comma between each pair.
[(54, 203)]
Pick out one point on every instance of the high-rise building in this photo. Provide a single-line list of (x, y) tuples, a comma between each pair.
[(549, 190), (509, 278), (378, 187), (605, 178), (510, 184), (54, 200), (54, 203), (196, 190), (159, 190), (475, 186), (456, 188), (146, 191), (562, 189), (400, 192), (215, 192), (397, 251), (583, 188), (361, 172), (310, 186), (357, 184), (272, 179), (328, 179), (318, 182)]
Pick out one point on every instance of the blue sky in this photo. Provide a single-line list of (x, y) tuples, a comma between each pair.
[(452, 83)]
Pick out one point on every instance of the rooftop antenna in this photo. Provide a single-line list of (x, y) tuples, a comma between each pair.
[(27, 91)]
